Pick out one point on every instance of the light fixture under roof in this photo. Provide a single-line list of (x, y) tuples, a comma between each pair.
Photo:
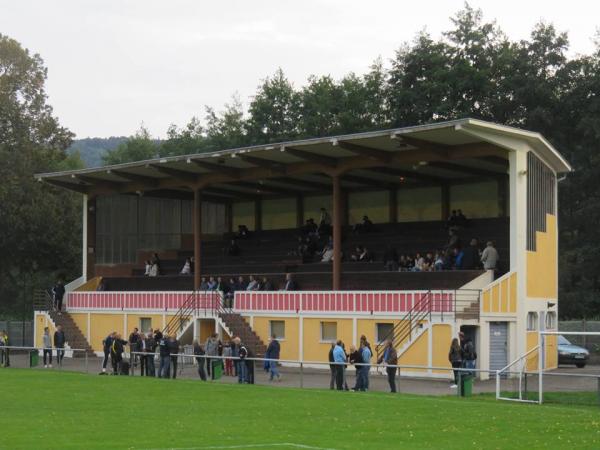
[(282, 148), (334, 142), (189, 160)]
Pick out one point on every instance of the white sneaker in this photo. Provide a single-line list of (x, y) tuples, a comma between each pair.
[(50, 366), (453, 386), (45, 366)]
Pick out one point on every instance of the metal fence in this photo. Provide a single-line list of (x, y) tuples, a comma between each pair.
[(19, 333)]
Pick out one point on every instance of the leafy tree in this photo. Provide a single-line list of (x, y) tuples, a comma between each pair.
[(39, 225), (138, 147)]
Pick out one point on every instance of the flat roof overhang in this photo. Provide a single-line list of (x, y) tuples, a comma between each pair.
[(436, 154)]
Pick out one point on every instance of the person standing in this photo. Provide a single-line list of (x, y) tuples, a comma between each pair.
[(4, 341), (58, 292), (134, 340), (2, 345), (365, 353), (469, 355), (455, 358), (332, 372), (212, 349), (173, 353), (272, 354), (490, 257), (353, 358), (141, 348), (165, 357), (116, 353), (242, 367), (106, 346), (149, 357), (227, 354), (339, 359), (390, 359), (200, 353), (47, 352), (59, 343)]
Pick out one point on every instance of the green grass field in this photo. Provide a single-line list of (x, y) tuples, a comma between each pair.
[(70, 410)]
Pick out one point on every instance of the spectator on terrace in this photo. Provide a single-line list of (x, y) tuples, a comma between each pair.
[(59, 343), (116, 353), (452, 220), (390, 358), (490, 257), (173, 344), (233, 249), (229, 295), (438, 263), (150, 348), (455, 358), (187, 267), (365, 226), (148, 266), (154, 270), (404, 263), (461, 219), (272, 353), (212, 284), (290, 284), (253, 284), (361, 254), (241, 284), (453, 239), (324, 222), (266, 285), (58, 292), (458, 255), (309, 228), (165, 357), (101, 286), (390, 259), (212, 349), (47, 342), (470, 260), (199, 353), (419, 263), (242, 231)]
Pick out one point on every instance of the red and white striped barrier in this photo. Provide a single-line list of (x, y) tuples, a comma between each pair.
[(163, 301)]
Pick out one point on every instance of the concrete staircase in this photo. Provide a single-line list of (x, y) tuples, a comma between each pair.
[(73, 334), (239, 327)]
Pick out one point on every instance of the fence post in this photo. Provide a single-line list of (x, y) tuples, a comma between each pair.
[(459, 387), (497, 384), (302, 375), (598, 390)]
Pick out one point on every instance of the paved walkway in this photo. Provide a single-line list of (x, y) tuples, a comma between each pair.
[(572, 380)]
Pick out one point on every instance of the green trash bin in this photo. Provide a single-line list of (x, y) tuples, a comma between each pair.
[(217, 369), (34, 358), (466, 386)]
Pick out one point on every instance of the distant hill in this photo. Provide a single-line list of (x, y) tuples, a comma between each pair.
[(92, 149)]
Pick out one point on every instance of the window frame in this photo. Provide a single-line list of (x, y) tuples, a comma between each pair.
[(279, 338), (377, 336), (533, 316), (141, 328), (322, 326)]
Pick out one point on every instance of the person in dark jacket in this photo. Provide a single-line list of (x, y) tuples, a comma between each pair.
[(273, 351), (58, 292), (470, 259), (353, 358), (106, 346), (332, 370), (59, 343), (116, 353), (173, 351), (134, 345), (149, 349), (242, 366), (199, 352), (455, 358), (390, 358), (469, 355), (165, 357)]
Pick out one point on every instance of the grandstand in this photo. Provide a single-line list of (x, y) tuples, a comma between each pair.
[(407, 181)]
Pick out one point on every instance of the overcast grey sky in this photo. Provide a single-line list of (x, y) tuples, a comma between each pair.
[(113, 64)]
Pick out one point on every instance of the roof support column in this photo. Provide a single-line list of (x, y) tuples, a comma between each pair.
[(90, 237), (197, 211), (258, 215), (337, 232), (445, 201)]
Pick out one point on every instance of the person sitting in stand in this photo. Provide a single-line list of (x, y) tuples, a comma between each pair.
[(452, 220), (266, 285), (453, 239), (361, 254), (390, 259), (148, 266), (470, 260), (324, 222), (222, 286), (212, 284), (242, 231), (428, 262), (458, 258), (203, 284), (230, 294), (438, 263), (101, 286), (327, 253), (290, 284), (365, 226), (253, 284), (233, 249), (187, 267), (309, 228), (157, 263), (241, 284), (418, 263)]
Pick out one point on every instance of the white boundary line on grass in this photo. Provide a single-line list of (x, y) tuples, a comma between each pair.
[(280, 444)]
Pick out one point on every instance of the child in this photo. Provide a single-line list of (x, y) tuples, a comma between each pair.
[(227, 353)]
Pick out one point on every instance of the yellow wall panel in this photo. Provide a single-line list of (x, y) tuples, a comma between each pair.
[(513, 293), (289, 345), (376, 205), (487, 305), (542, 265), (532, 359), (419, 204), (279, 213), (207, 328), (496, 298), (417, 354), (476, 200), (551, 352), (243, 214), (504, 293), (314, 349), (442, 338), (81, 322), (101, 325), (90, 285)]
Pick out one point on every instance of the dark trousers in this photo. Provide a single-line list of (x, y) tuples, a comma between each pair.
[(58, 303), (249, 372), (201, 371), (208, 366), (174, 366), (5, 357), (116, 363), (47, 354), (332, 376), (60, 354), (142, 359), (149, 365), (106, 355), (391, 374), (456, 365), (339, 377)]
